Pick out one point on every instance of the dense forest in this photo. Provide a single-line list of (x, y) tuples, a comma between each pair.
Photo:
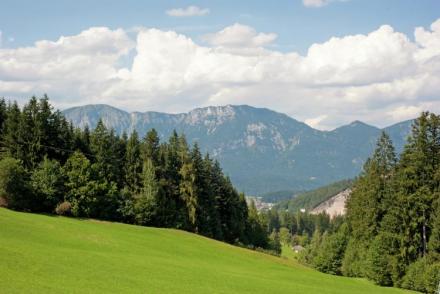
[(47, 165), (391, 233)]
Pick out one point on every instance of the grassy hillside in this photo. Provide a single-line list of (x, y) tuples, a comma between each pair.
[(313, 198), (48, 254)]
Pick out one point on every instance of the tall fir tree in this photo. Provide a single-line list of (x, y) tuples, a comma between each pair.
[(147, 202), (133, 163)]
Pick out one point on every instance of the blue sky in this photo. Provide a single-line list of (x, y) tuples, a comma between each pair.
[(324, 62), (296, 25)]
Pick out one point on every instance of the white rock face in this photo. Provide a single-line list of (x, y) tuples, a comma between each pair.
[(334, 206), (210, 116)]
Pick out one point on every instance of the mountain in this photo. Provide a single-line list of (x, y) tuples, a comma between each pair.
[(311, 199), (260, 149), (334, 206)]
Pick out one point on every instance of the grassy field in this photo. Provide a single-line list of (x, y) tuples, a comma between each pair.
[(48, 254)]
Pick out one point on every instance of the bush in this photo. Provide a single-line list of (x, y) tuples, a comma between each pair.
[(64, 208), (414, 278), (432, 278), (422, 275)]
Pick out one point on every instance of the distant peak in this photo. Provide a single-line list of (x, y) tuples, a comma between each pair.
[(358, 123)]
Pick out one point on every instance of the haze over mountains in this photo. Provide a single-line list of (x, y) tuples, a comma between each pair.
[(260, 149)]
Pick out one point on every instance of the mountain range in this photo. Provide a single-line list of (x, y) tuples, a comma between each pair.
[(260, 149)]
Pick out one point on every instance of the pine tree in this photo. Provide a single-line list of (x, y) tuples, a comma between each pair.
[(416, 185), (30, 132), (133, 163), (365, 207), (3, 112), (206, 210), (147, 203), (256, 233), (103, 145), (12, 144), (188, 192), (150, 147)]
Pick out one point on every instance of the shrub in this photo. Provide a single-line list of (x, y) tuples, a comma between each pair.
[(414, 278), (64, 208), (422, 275), (432, 278)]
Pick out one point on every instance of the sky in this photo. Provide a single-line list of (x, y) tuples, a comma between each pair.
[(324, 62)]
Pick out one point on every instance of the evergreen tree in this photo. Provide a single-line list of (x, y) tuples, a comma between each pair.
[(147, 202), (13, 185), (365, 206), (103, 147), (3, 112), (188, 192), (308, 255), (150, 147), (417, 184), (274, 242), (256, 233), (133, 163), (205, 216), (12, 144), (331, 252)]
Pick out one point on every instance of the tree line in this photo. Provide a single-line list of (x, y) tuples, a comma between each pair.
[(391, 233), (48, 165)]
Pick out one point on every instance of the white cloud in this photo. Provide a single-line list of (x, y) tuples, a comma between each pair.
[(319, 3), (188, 11), (71, 67), (381, 77), (238, 35), (405, 112), (315, 122)]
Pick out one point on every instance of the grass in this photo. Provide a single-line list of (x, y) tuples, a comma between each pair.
[(48, 254)]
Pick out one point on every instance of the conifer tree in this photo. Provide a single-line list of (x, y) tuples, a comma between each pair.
[(147, 202), (3, 112), (133, 163), (365, 206), (150, 147), (417, 184), (12, 144)]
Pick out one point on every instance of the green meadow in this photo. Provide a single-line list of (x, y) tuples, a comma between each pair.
[(49, 254)]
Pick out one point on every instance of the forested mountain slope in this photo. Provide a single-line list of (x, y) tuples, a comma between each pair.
[(261, 150)]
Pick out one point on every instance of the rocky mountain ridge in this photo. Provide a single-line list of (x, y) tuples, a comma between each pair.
[(260, 149)]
